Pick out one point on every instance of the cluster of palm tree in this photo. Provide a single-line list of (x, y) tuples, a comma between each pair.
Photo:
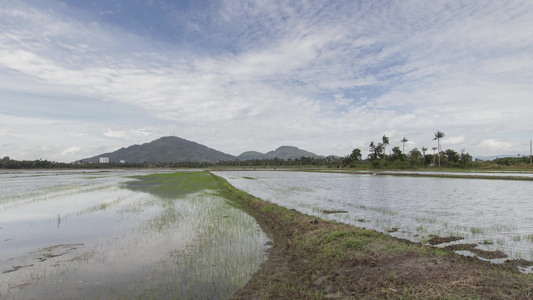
[(397, 158), (378, 150)]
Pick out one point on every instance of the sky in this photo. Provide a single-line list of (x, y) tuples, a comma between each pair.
[(79, 78)]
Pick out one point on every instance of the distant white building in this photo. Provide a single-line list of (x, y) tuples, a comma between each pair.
[(104, 160), (122, 161)]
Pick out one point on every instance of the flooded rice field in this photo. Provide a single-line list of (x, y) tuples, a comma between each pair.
[(73, 234), (508, 174), (495, 215)]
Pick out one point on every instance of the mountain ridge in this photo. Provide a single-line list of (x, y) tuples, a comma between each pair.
[(175, 149), (164, 149), (283, 152)]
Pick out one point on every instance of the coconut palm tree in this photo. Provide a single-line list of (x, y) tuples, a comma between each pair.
[(438, 135), (424, 149), (404, 140), (385, 140), (434, 148)]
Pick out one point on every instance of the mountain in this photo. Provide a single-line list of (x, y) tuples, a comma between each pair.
[(283, 152), (175, 149), (165, 149)]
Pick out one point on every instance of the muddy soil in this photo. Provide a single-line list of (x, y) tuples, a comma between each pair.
[(436, 240), (316, 259)]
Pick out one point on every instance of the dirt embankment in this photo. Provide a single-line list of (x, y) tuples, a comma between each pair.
[(315, 259)]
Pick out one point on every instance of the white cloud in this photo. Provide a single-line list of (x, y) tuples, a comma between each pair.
[(115, 133), (497, 145), (340, 100), (325, 76), (70, 151), (455, 140)]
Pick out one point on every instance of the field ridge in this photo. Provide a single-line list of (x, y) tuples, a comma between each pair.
[(316, 259)]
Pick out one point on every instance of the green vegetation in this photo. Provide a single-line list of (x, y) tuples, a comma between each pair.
[(398, 159), (418, 159), (226, 244), (173, 185), (310, 259), (7, 163), (438, 135), (316, 259), (178, 239), (174, 152)]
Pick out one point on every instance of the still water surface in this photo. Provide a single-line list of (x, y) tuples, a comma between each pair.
[(496, 214), (72, 234)]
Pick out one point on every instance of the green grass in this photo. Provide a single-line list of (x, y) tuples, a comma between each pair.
[(315, 245), (324, 246), (225, 251), (172, 185), (476, 230)]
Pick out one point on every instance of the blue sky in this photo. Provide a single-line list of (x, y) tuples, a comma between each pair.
[(79, 78)]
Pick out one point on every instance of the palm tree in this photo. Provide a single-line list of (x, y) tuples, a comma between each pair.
[(424, 149), (385, 143), (376, 153), (434, 148), (438, 135), (404, 140)]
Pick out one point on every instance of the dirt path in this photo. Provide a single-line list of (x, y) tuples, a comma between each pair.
[(316, 259)]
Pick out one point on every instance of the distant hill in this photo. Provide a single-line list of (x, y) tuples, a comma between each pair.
[(175, 149), (165, 149), (250, 155), (493, 157), (283, 152)]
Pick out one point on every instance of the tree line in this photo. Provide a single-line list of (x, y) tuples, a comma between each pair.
[(331, 161), (397, 160), (377, 158), (416, 158)]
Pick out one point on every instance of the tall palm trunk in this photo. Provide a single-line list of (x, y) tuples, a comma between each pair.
[(438, 136), (438, 149)]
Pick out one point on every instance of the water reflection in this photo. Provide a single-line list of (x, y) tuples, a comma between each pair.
[(83, 235), (496, 214)]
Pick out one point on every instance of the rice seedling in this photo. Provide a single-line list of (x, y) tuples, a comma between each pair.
[(487, 242), (421, 229), (426, 220), (476, 230), (502, 228), (191, 245)]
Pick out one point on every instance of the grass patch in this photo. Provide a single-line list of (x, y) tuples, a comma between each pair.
[(172, 185), (225, 247), (315, 259)]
